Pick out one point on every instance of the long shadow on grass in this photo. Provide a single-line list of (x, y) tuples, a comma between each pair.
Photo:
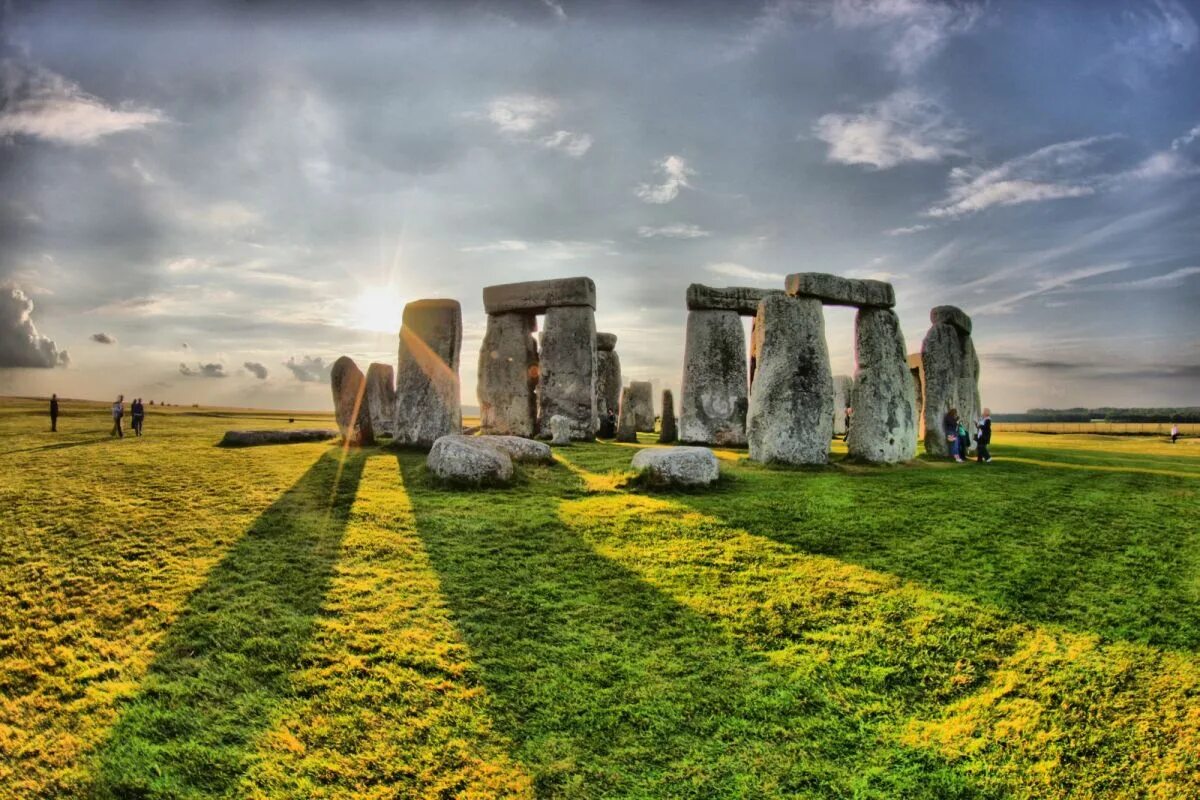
[(226, 663), (1109, 553), (607, 687)]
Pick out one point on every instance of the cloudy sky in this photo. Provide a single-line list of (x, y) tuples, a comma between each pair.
[(210, 204)]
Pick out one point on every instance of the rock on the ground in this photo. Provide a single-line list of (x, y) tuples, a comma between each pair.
[(838, 291), (508, 374), (713, 399), (469, 460), (298, 436), (669, 432), (677, 466), (522, 450), (567, 373), (349, 387), (791, 409), (428, 404), (536, 297), (561, 430), (883, 430), (381, 397)]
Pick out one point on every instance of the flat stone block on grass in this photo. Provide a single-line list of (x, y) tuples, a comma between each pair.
[(469, 461), (677, 466), (253, 438), (520, 449)]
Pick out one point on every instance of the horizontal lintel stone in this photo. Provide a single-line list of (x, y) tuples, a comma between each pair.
[(742, 299), (534, 297), (838, 291)]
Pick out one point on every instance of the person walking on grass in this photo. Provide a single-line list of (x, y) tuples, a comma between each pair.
[(950, 428), (984, 438), (54, 413), (118, 411), (137, 415), (1174, 433)]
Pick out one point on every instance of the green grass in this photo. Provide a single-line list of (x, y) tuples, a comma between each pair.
[(182, 620)]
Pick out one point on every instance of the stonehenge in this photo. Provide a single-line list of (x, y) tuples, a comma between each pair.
[(349, 387), (608, 375), (522, 387), (381, 397), (427, 386), (669, 432), (883, 430), (641, 400), (950, 376), (833, 290)]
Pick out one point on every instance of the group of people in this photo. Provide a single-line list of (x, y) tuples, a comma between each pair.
[(959, 436), (137, 416)]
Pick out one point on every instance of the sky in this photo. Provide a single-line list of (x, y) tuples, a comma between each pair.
[(209, 203)]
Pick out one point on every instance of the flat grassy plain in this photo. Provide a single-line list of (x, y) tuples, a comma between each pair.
[(179, 620)]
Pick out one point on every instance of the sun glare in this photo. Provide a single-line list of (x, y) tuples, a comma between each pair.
[(377, 309)]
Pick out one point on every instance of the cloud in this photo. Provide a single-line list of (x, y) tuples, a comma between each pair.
[(1047, 284), (549, 249), (256, 369), (525, 117), (38, 103), (1151, 36), (20, 343), (677, 230), (502, 246), (309, 369), (1186, 139), (1165, 164), (729, 269), (212, 370), (905, 126), (556, 9), (104, 338), (907, 230), (675, 173), (915, 30), (1169, 280), (573, 144), (1092, 370)]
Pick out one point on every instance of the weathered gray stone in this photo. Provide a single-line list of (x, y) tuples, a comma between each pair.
[(838, 291), (669, 432), (677, 466), (381, 397), (536, 297), (606, 342), (918, 379), (567, 374), (289, 436), (608, 382), (561, 430), (469, 460), (843, 392), (428, 405), (522, 450), (627, 422), (883, 431), (713, 402), (951, 380), (742, 299), (951, 315), (791, 410), (349, 387), (641, 398), (508, 375)]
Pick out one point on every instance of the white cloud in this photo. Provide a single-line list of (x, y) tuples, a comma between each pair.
[(1186, 139), (45, 105), (675, 173), (556, 9), (916, 30), (1160, 165), (907, 230), (677, 230), (20, 343), (1169, 280), (1153, 35), (502, 246), (1048, 283), (729, 269), (905, 126), (520, 113), (573, 144), (546, 249)]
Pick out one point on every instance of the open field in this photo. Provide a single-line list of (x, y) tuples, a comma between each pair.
[(181, 620), (1117, 428)]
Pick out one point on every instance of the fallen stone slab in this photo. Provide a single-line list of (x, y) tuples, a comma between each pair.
[(534, 297), (677, 466), (254, 438), (838, 291), (469, 461), (950, 315), (742, 299), (520, 449), (606, 341)]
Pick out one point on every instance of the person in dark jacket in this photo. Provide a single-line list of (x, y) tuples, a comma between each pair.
[(950, 428), (984, 437), (54, 413), (137, 415)]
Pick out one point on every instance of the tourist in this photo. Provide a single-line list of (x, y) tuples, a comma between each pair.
[(846, 432), (118, 411), (984, 437), (1174, 433), (54, 413), (950, 428), (138, 415)]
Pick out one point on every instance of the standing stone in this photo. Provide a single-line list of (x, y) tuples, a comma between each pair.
[(714, 380), (918, 379), (669, 432), (349, 387), (950, 368), (381, 397), (642, 400), (428, 405), (561, 430), (508, 374), (791, 410), (843, 391), (883, 430), (567, 379), (608, 375), (627, 423)]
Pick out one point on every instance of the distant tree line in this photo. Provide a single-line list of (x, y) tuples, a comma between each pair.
[(1107, 414)]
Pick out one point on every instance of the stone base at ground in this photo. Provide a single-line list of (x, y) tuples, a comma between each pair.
[(253, 438), (469, 461), (677, 466), (522, 450)]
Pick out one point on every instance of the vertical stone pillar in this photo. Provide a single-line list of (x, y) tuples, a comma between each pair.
[(951, 375), (567, 373), (918, 379), (608, 375), (349, 387), (883, 431), (791, 410), (508, 375), (428, 402), (669, 432), (381, 397), (641, 395), (627, 421), (714, 388), (843, 391)]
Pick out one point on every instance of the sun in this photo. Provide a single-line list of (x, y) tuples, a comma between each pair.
[(377, 309)]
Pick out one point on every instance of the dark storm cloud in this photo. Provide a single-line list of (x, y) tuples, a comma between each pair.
[(20, 343), (257, 370), (104, 338), (210, 370), (309, 369)]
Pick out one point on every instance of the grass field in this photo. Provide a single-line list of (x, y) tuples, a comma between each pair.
[(179, 620)]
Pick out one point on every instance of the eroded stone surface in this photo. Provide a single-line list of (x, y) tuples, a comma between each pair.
[(428, 405), (742, 299), (349, 388), (469, 460), (713, 398), (641, 398), (677, 466), (536, 297), (882, 430), (838, 291), (297, 436), (843, 394), (567, 373), (508, 375), (608, 383), (791, 409), (951, 315), (522, 450), (951, 380), (627, 420), (606, 341), (669, 433), (381, 397), (561, 430)]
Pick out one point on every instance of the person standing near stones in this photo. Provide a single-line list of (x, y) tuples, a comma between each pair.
[(54, 413), (1174, 433), (849, 411), (984, 437), (118, 411), (950, 428), (137, 415)]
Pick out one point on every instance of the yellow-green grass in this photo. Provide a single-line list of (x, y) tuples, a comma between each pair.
[(182, 620)]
